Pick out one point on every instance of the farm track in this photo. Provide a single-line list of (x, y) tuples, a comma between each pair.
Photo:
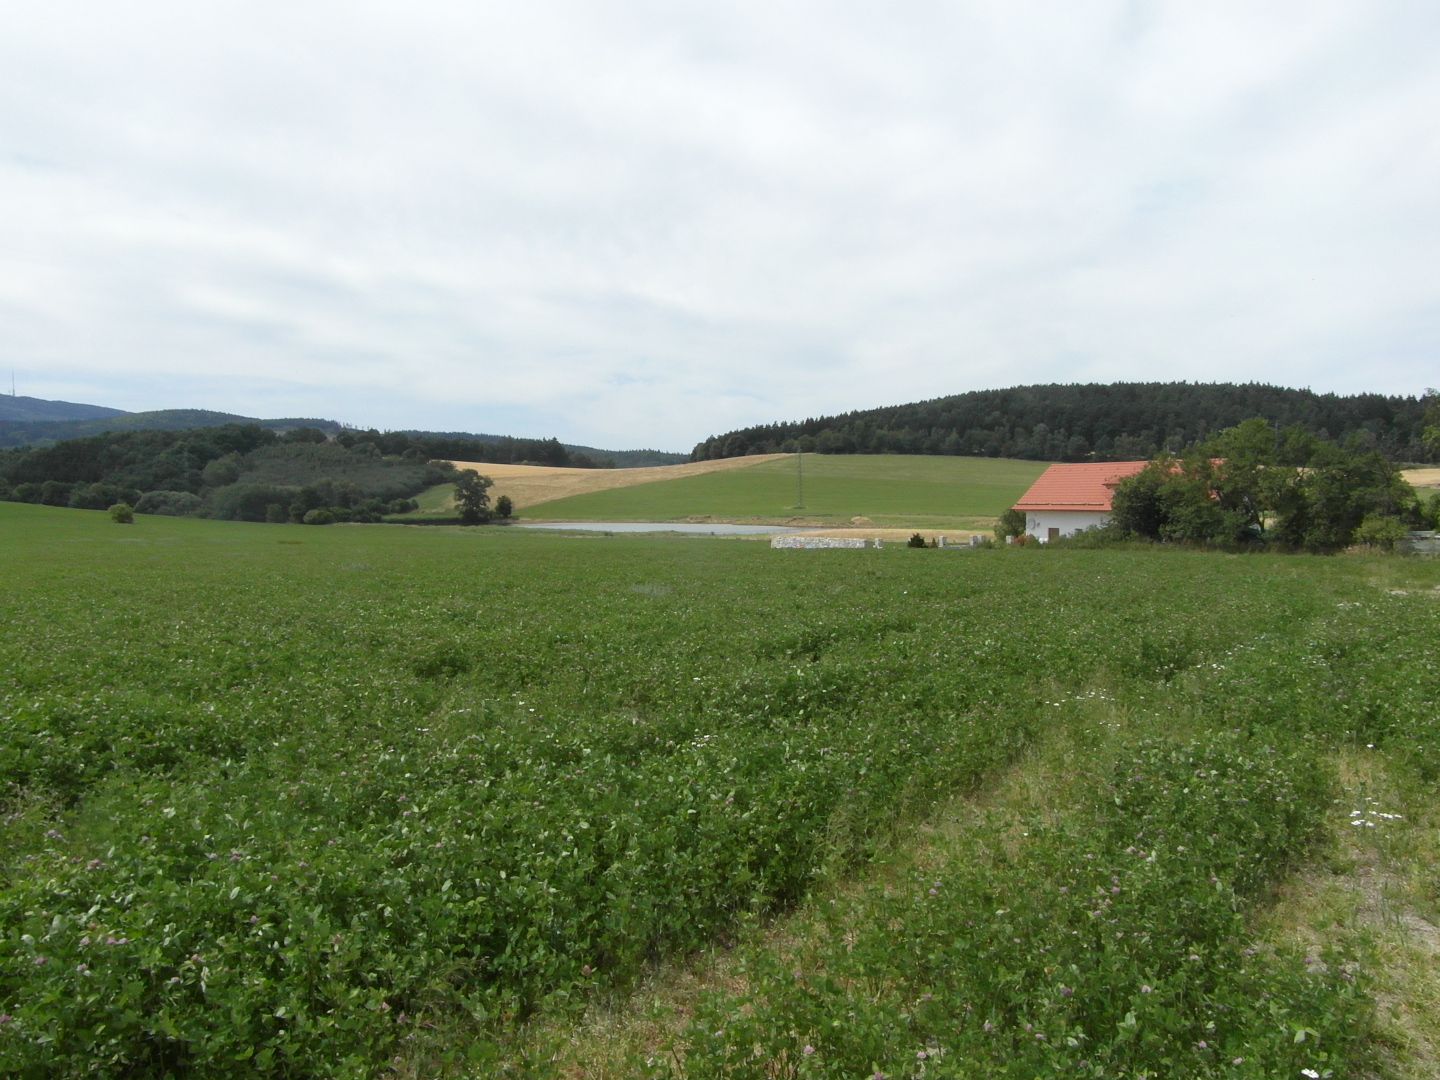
[(1374, 888), (629, 1036), (1359, 891)]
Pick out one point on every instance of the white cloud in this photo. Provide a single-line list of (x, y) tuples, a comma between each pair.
[(641, 223)]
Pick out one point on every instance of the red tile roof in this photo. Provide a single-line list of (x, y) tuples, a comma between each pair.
[(1078, 487)]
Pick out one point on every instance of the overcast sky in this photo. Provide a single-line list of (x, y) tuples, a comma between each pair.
[(637, 224)]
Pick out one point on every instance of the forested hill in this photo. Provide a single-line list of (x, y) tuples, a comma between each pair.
[(249, 472), (1094, 421), (29, 409), (150, 460), (44, 430), (36, 422)]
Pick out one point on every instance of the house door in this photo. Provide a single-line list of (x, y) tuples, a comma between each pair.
[(1054, 534)]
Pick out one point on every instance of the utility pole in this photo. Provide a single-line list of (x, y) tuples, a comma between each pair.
[(800, 480)]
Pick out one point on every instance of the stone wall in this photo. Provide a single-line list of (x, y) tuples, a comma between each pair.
[(1421, 543), (821, 542)]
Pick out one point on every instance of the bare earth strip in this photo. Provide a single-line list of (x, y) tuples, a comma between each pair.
[(960, 535), (531, 485)]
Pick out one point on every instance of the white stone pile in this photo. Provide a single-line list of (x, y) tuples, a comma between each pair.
[(820, 542)]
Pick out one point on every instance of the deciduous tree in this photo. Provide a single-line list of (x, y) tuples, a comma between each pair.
[(472, 497)]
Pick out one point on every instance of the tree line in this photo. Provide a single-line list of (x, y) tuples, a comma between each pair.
[(503, 450), (174, 459), (1090, 422), (249, 473)]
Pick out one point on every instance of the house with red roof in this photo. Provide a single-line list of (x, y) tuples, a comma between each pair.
[(1071, 498)]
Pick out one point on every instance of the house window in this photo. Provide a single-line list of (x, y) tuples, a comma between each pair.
[(1054, 534)]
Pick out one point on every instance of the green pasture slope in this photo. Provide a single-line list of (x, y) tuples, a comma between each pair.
[(438, 501), (887, 488), (288, 801)]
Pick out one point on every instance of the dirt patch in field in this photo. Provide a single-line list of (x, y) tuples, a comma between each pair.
[(531, 485), (1422, 478), (1371, 890)]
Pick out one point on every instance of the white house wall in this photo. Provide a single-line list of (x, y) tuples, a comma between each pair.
[(1038, 523)]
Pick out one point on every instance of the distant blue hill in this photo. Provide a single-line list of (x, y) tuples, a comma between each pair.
[(44, 432), (27, 421), (31, 409)]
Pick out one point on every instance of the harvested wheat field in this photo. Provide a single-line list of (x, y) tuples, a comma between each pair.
[(530, 485), (1422, 479)]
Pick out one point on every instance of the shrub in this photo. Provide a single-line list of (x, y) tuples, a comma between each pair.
[(319, 516), (1096, 536), (1430, 513), (504, 507), (222, 472), (329, 494), (54, 493), (1135, 506), (915, 541), (304, 435), (100, 496), (247, 502), (1381, 531), (1012, 523), (1176, 500), (276, 514), (169, 503), (585, 461), (94, 497), (369, 512), (1192, 514), (122, 514)]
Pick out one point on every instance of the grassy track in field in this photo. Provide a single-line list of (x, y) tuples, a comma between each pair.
[(887, 488), (285, 800), (437, 501)]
